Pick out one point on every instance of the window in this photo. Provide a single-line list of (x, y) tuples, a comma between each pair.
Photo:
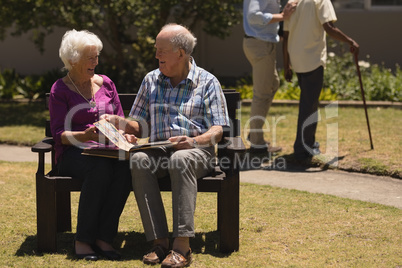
[(368, 4), (383, 4), (386, 2), (348, 4)]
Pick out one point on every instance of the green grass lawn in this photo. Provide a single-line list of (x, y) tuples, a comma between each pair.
[(278, 228)]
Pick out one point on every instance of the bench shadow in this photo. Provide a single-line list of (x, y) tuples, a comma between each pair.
[(132, 245)]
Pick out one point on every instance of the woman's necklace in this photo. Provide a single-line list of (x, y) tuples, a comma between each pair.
[(92, 103)]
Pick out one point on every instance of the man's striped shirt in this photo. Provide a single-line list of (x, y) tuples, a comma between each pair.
[(189, 109)]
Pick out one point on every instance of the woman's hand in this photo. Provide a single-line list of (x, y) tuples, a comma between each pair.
[(77, 137), (91, 134)]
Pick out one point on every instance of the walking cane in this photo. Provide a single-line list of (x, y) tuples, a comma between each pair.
[(364, 99)]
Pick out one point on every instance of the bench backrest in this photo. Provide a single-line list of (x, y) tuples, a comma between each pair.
[(232, 101)]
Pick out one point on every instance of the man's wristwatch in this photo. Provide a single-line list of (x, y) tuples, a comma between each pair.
[(195, 144)]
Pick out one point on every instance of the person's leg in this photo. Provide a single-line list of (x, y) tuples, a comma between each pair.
[(311, 85), (145, 169), (114, 201), (96, 173), (185, 167), (262, 57)]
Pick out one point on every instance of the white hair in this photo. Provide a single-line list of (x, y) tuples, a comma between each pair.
[(74, 43), (182, 37)]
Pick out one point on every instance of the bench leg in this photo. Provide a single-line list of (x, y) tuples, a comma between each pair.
[(228, 214), (63, 210), (46, 214)]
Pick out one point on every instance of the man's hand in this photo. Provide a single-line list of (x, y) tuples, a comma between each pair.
[(289, 8), (183, 142), (354, 48), (112, 118), (130, 138), (288, 73), (120, 124)]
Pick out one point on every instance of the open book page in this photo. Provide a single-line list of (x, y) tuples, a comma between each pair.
[(121, 147), (113, 134), (114, 152)]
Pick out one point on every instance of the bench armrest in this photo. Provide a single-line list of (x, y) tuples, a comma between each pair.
[(229, 151), (44, 146)]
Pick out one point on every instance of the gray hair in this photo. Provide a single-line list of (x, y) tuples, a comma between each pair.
[(182, 38), (74, 43)]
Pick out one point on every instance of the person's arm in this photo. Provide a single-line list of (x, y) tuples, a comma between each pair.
[(209, 138), (286, 61), (131, 129), (256, 17), (287, 11), (76, 137), (337, 34)]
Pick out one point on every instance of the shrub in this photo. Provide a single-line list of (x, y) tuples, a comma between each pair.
[(14, 86)]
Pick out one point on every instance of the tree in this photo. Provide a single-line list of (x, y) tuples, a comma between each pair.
[(127, 27)]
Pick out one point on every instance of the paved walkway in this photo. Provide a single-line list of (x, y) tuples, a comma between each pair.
[(376, 189)]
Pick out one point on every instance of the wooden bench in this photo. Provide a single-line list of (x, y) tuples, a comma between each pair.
[(53, 202)]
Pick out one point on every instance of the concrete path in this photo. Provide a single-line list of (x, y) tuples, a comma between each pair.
[(365, 187), (19, 154), (376, 189)]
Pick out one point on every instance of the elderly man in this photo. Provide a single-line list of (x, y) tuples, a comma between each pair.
[(185, 104), (305, 50)]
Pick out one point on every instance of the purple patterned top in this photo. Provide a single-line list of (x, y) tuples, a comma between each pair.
[(70, 111)]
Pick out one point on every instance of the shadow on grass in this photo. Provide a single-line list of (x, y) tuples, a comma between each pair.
[(286, 163), (132, 245)]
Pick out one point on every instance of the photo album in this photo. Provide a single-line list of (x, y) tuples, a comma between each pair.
[(119, 147)]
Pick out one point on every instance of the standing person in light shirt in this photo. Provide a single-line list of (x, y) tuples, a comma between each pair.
[(305, 51), (261, 24)]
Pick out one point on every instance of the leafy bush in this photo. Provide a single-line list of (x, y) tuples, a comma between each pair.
[(14, 86), (379, 83), (8, 84)]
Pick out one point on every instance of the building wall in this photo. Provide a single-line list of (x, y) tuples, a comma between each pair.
[(377, 32)]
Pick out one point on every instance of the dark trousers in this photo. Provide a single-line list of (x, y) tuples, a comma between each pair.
[(105, 189), (310, 85)]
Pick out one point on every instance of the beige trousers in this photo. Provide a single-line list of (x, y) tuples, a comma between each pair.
[(262, 57)]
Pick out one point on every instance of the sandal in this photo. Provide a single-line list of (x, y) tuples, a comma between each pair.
[(155, 255)]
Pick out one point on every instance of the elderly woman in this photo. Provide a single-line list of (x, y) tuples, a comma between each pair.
[(76, 102)]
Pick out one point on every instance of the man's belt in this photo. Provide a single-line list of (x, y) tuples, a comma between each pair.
[(247, 36)]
